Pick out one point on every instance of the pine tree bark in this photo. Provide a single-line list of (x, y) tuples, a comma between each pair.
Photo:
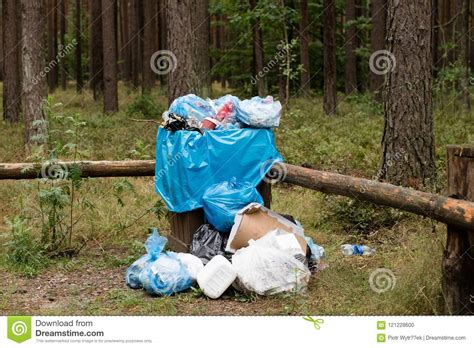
[(55, 42), (471, 36), (181, 40), (377, 38), (110, 57), (330, 92), (11, 32), (304, 30), (258, 57), (201, 23), (408, 142), (148, 77), (62, 39), (50, 9), (77, 24), (96, 80), (352, 42), (126, 47), (462, 42), (34, 87), (134, 39), (163, 34)]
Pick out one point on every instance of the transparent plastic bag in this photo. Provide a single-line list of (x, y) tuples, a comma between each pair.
[(260, 112), (264, 269), (226, 109), (222, 201), (191, 107), (192, 263)]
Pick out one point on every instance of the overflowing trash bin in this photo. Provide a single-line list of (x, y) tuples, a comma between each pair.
[(212, 155)]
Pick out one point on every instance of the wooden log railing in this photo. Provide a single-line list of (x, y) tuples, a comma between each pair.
[(444, 209)]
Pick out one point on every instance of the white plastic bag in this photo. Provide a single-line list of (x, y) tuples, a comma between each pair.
[(192, 263), (260, 113), (265, 269)]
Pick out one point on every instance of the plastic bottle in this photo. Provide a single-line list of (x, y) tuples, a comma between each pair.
[(356, 249)]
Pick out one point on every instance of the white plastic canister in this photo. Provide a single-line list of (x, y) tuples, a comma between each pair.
[(216, 276)]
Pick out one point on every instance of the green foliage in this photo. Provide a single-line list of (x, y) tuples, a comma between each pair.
[(144, 106), (140, 151), (24, 252)]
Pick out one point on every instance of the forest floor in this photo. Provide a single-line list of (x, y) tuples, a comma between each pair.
[(92, 283)]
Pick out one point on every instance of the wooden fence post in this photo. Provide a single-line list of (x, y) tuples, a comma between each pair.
[(458, 261)]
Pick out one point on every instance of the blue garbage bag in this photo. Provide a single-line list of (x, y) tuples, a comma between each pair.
[(158, 272), (188, 163), (154, 246), (222, 202), (166, 276)]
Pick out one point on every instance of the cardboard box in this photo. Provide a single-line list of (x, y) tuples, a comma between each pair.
[(254, 221)]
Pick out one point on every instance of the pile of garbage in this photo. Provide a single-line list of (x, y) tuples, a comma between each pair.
[(191, 112), (212, 154), (265, 253)]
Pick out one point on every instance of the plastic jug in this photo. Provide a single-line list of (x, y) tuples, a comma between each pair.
[(216, 277)]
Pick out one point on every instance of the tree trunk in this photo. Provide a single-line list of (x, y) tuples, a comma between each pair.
[(377, 38), (148, 77), (34, 87), (258, 59), (462, 41), (79, 82), (435, 35), (11, 60), (62, 36), (305, 80), (96, 80), (407, 142), (201, 24), (163, 36), (51, 9), (183, 78), (126, 51), (110, 57), (471, 36), (134, 38), (352, 43), (330, 92)]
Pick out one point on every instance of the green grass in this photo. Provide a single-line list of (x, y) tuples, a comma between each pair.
[(92, 283)]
